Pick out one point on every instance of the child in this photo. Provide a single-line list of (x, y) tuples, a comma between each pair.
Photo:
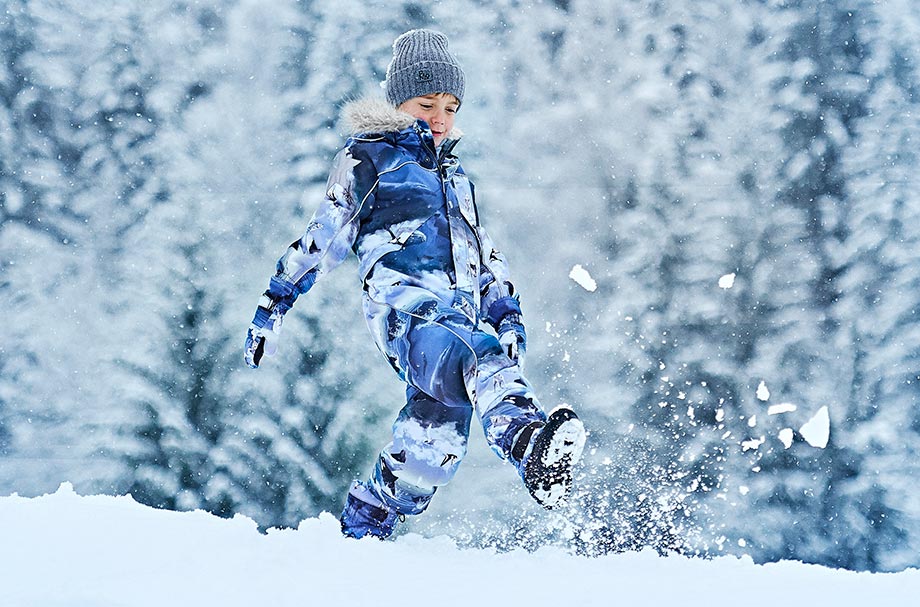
[(433, 280)]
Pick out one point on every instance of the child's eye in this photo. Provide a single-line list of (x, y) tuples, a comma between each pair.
[(425, 106)]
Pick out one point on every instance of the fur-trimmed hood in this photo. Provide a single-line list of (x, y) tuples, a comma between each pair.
[(375, 115)]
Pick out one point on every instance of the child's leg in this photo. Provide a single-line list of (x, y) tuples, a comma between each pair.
[(544, 450), (505, 401), (429, 442)]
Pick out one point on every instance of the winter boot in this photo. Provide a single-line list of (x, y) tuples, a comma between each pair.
[(365, 514), (548, 453)]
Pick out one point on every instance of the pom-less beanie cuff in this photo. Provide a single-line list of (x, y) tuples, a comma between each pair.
[(422, 65)]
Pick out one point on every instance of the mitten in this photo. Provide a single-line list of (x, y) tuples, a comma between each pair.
[(264, 331)]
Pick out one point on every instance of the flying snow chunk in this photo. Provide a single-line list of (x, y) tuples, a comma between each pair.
[(727, 281), (752, 444), (817, 430), (786, 435), (781, 408), (581, 276), (763, 393)]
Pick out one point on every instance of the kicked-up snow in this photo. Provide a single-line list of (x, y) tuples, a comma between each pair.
[(817, 430), (581, 276)]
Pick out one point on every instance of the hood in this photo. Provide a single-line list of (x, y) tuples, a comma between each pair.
[(374, 115)]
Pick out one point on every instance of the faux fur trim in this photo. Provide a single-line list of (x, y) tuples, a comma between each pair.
[(372, 115), (375, 115)]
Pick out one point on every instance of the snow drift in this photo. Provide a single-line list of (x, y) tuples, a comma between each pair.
[(100, 551)]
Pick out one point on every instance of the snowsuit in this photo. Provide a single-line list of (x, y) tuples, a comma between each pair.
[(433, 284)]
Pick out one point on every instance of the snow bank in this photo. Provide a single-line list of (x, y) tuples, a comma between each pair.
[(67, 550)]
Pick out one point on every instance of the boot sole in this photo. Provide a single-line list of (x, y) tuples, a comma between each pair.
[(551, 475)]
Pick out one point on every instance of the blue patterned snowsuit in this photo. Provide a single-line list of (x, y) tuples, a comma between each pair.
[(431, 277)]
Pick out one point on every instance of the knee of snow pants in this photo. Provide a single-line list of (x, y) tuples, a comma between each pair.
[(429, 442), (439, 360)]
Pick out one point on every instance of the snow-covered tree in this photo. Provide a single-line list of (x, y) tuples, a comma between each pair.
[(878, 299), (75, 165)]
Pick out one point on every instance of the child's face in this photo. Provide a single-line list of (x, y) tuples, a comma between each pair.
[(437, 109)]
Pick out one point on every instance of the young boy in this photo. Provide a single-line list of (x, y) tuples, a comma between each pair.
[(435, 288)]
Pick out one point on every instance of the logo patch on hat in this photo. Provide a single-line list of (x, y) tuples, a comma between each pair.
[(424, 76)]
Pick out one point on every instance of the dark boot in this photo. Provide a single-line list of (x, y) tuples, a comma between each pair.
[(548, 454), (365, 514)]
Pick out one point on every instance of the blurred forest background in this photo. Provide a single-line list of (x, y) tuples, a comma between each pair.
[(156, 158)]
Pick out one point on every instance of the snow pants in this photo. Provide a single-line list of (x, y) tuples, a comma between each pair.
[(452, 368)]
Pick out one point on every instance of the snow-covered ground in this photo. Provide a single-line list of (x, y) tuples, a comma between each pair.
[(66, 550)]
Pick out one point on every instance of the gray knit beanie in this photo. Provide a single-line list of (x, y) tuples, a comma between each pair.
[(422, 65)]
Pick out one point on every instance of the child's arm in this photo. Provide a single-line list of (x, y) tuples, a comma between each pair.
[(326, 242), (499, 299)]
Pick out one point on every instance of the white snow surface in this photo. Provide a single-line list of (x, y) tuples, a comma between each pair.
[(100, 551)]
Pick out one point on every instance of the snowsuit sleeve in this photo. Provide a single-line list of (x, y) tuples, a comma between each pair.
[(329, 237), (497, 294)]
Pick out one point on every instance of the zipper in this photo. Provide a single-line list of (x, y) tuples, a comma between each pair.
[(432, 152)]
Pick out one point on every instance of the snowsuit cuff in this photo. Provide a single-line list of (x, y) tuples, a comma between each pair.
[(502, 308), (282, 293), (261, 317)]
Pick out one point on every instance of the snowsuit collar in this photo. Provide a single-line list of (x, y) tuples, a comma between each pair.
[(372, 115)]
